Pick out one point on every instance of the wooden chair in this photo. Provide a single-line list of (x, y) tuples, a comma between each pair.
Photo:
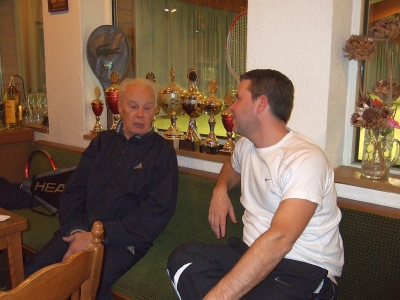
[(77, 277)]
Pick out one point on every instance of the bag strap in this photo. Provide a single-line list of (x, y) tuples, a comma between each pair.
[(47, 154), (33, 200), (32, 189)]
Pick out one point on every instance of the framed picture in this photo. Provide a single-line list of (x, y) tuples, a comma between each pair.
[(58, 5)]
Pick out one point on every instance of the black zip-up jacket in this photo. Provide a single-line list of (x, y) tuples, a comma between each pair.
[(129, 185)]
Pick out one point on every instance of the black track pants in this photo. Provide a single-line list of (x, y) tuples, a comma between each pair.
[(195, 268)]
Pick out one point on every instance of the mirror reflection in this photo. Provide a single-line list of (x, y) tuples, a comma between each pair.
[(22, 45), (377, 69), (181, 35)]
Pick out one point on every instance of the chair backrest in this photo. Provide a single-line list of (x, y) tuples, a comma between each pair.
[(78, 276)]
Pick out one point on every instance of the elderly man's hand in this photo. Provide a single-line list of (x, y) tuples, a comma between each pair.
[(78, 241)]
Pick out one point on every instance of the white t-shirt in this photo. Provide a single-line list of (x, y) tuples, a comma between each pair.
[(293, 168)]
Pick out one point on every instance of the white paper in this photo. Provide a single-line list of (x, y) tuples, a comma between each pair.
[(4, 217)]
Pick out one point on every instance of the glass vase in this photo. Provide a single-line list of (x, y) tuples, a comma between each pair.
[(377, 155)]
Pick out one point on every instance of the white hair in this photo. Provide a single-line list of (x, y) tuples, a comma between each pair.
[(140, 81)]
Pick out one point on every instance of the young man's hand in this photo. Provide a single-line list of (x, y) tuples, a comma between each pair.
[(220, 207)]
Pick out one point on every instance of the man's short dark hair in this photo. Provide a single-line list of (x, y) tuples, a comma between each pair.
[(276, 86)]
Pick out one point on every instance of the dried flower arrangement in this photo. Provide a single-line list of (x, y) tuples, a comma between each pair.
[(375, 114)]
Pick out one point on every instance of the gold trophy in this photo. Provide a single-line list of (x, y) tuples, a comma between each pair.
[(112, 96), (192, 107), (227, 121), (152, 77), (211, 106), (97, 108), (169, 101)]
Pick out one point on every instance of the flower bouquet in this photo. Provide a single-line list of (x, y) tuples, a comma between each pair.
[(374, 109)]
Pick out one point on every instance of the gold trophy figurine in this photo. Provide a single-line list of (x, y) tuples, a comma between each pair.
[(211, 106), (152, 77), (192, 107), (169, 99), (112, 96), (97, 107)]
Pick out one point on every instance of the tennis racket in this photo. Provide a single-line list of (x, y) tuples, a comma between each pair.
[(236, 44)]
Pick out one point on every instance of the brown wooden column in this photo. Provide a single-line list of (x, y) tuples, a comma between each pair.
[(14, 151)]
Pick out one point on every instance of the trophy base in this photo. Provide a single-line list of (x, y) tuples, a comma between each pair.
[(189, 145), (209, 149), (225, 152), (93, 132), (173, 142)]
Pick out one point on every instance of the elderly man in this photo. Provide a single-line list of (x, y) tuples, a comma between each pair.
[(291, 246), (128, 179)]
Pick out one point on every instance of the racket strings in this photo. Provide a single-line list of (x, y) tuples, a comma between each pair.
[(237, 46)]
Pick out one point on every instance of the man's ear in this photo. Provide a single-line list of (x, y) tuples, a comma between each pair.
[(119, 107), (262, 103)]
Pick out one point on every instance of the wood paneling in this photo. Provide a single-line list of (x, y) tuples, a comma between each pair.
[(383, 9), (126, 22), (14, 151), (237, 6)]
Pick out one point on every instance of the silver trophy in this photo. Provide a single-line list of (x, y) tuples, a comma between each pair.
[(169, 100), (192, 107), (211, 106)]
